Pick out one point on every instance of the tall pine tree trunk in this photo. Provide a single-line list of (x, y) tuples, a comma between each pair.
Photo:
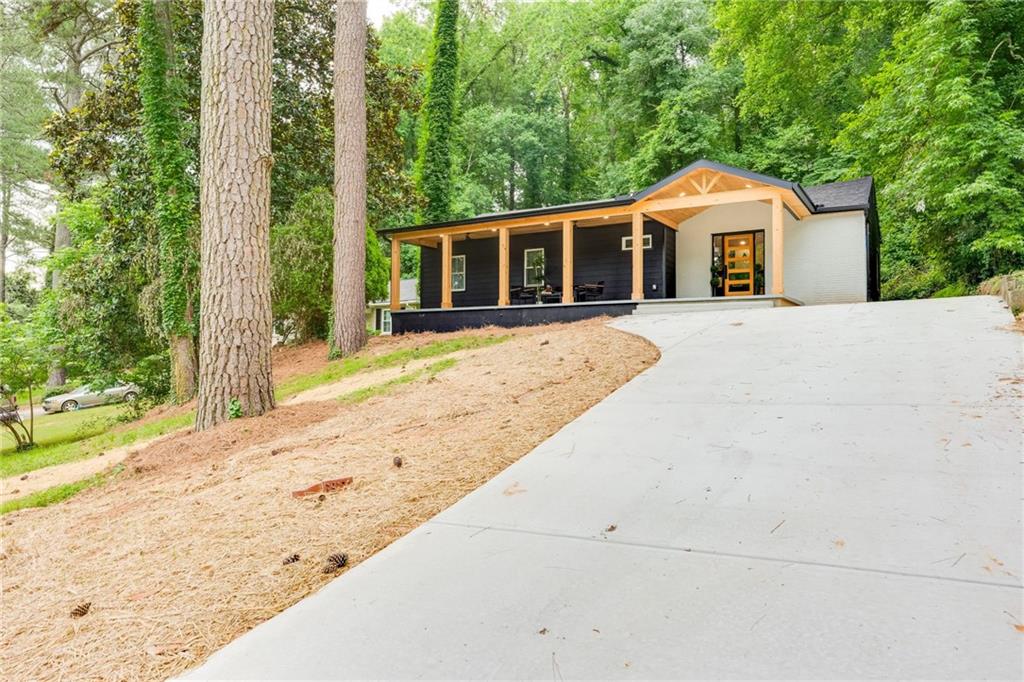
[(175, 194), (349, 289), (235, 160)]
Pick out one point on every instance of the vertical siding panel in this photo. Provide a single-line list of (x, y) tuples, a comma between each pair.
[(670, 263), (430, 277)]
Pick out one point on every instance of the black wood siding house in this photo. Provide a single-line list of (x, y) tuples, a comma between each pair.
[(598, 257), (709, 230)]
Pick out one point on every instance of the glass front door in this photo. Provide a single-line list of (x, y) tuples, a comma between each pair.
[(739, 264)]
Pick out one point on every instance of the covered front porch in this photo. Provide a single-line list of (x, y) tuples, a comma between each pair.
[(583, 258)]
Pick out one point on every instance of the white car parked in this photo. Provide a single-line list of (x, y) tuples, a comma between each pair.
[(85, 396)]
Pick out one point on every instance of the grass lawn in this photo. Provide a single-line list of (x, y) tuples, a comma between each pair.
[(87, 434), (63, 427), (340, 369), (84, 434)]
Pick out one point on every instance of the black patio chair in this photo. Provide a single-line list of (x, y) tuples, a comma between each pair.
[(523, 296), (589, 291)]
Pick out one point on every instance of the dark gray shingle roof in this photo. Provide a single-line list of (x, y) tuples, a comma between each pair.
[(848, 194)]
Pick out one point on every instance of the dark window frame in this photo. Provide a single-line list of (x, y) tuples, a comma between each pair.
[(465, 276)]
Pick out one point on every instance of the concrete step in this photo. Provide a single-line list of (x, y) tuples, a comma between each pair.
[(699, 305)]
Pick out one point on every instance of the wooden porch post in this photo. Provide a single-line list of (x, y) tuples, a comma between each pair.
[(503, 286), (638, 256), (777, 246), (446, 271), (396, 274), (567, 261)]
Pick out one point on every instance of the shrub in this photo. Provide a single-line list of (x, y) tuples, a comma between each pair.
[(301, 259), (152, 374)]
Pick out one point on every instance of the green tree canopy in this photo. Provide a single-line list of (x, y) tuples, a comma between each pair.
[(944, 144)]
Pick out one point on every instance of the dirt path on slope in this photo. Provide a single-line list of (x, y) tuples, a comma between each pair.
[(22, 485), (183, 551), (366, 379)]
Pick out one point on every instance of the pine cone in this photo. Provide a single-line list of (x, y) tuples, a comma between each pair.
[(291, 559), (335, 562), (81, 610)]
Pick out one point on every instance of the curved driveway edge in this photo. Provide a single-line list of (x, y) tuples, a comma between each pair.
[(817, 492)]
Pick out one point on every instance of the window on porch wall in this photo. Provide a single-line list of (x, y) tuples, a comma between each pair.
[(533, 268), (459, 273), (627, 243)]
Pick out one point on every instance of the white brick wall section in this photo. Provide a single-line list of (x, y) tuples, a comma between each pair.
[(826, 255), (826, 258)]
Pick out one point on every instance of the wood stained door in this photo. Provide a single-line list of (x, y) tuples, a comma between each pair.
[(739, 264)]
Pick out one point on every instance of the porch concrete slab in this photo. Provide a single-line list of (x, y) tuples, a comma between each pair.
[(816, 492)]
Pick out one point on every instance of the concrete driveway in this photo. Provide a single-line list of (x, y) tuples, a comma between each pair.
[(814, 492)]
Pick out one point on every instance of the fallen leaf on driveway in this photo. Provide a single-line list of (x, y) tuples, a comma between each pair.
[(514, 489)]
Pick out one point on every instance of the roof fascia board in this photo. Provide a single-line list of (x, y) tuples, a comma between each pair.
[(514, 215)]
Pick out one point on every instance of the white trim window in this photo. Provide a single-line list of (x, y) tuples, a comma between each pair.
[(459, 273), (533, 267), (385, 321), (627, 243)]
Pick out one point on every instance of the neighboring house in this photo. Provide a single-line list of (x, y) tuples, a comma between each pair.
[(378, 313), (707, 231)]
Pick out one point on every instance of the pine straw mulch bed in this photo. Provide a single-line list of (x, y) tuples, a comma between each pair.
[(183, 551)]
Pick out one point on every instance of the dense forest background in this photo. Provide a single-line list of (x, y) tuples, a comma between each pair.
[(553, 102)]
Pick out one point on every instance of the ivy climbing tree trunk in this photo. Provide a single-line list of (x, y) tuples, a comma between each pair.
[(434, 164), (349, 288), (160, 92), (235, 161)]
